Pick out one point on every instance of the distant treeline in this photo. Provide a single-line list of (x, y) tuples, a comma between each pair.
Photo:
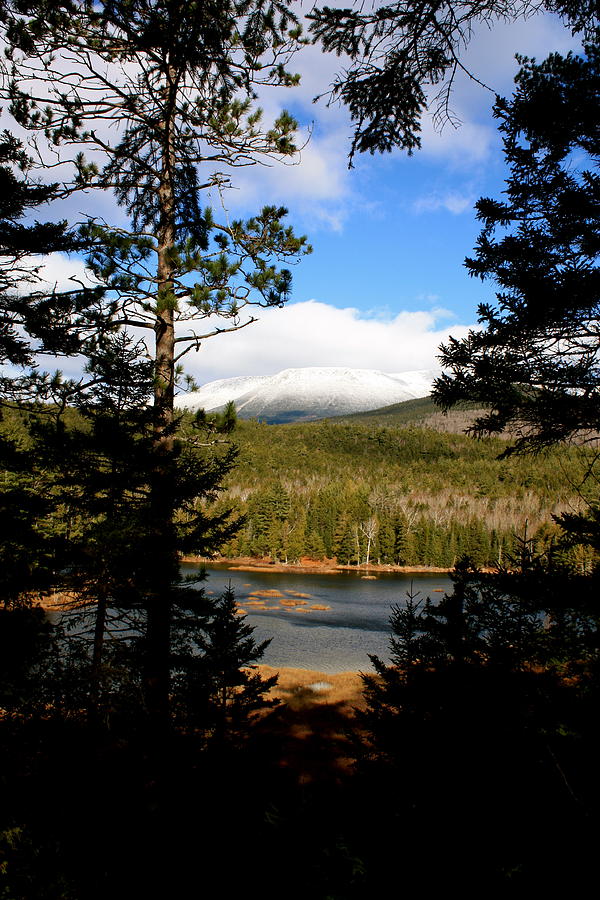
[(363, 493), (395, 495)]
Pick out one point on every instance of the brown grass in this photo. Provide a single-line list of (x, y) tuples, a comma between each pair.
[(303, 688), (256, 601), (308, 731), (60, 600)]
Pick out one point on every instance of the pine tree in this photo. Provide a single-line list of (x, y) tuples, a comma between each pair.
[(297, 536), (386, 539), (467, 727), (177, 80), (33, 319), (27, 318), (217, 687), (314, 547), (343, 541), (534, 361), (101, 460), (322, 516), (403, 547), (404, 57)]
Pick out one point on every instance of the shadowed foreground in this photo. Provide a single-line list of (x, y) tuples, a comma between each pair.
[(309, 729), (298, 810)]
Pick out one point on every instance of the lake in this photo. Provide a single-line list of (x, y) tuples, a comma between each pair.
[(331, 640)]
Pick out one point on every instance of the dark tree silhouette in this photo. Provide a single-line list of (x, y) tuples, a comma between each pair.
[(217, 686), (401, 52), (535, 361), (173, 84)]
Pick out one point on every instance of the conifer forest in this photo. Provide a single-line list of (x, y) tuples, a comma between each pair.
[(145, 748)]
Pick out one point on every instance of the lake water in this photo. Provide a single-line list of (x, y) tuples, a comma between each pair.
[(337, 639)]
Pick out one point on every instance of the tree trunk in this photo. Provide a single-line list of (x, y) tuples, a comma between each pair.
[(97, 653), (164, 562)]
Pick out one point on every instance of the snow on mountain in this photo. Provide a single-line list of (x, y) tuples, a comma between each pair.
[(418, 383), (217, 394), (310, 393)]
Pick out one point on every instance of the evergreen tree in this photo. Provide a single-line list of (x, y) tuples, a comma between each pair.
[(314, 546), (98, 465), (467, 726), (25, 318), (216, 684), (534, 362), (297, 536), (386, 540), (29, 546), (475, 543), (27, 645), (177, 82), (403, 550), (404, 58), (269, 510), (322, 516), (101, 460), (32, 320)]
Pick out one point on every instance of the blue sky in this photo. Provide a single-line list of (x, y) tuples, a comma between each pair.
[(385, 283)]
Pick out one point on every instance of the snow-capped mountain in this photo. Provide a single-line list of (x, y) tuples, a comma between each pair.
[(310, 393)]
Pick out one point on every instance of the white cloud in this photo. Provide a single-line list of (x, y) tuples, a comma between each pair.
[(454, 202), (490, 58), (460, 145), (313, 333), (440, 312), (491, 53), (319, 170), (317, 184), (56, 271)]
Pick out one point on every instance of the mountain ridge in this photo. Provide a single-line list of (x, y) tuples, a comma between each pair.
[(310, 393)]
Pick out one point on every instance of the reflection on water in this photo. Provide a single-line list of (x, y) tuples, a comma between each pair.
[(335, 639)]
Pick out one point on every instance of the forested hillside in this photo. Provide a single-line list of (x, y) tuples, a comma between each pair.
[(423, 413), (366, 493), (143, 753), (398, 495)]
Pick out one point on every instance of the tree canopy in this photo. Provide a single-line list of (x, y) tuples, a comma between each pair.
[(536, 358), (36, 318), (154, 100), (404, 58)]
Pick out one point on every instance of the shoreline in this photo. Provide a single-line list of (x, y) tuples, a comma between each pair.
[(311, 566), (60, 601)]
